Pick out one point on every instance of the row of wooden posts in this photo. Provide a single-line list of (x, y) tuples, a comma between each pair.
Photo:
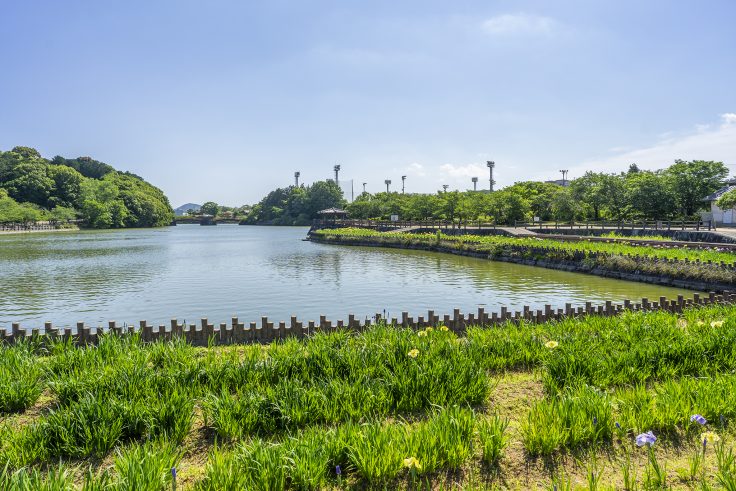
[(207, 333)]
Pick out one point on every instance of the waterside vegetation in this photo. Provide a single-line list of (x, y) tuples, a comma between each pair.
[(520, 406), (708, 264)]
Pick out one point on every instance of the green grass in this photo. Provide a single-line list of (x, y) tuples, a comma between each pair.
[(288, 415)]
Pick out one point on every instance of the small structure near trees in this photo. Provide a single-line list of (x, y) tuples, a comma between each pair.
[(723, 205), (332, 214)]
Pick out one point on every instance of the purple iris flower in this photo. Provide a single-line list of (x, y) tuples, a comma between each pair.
[(696, 418), (173, 473), (618, 425), (595, 421), (647, 438), (338, 471)]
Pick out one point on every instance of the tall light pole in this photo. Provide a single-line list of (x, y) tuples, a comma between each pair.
[(388, 183), (491, 164), (564, 176), (403, 179), (296, 178), (475, 183), (337, 171), (444, 187), (364, 186)]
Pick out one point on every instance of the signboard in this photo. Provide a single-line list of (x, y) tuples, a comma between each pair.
[(394, 218)]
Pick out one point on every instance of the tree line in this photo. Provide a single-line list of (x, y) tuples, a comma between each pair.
[(676, 192), (33, 188), (292, 205)]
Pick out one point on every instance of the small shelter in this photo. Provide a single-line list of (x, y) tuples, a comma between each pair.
[(332, 214), (719, 216)]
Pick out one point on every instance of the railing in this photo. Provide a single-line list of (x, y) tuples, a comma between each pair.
[(40, 225), (621, 225)]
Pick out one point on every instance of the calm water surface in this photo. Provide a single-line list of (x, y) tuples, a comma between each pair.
[(190, 271)]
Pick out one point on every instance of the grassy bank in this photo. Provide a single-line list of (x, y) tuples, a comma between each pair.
[(701, 265), (517, 406)]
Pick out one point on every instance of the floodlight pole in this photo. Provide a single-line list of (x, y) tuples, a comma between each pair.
[(491, 164)]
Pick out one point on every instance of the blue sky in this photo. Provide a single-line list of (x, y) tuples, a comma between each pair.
[(223, 100)]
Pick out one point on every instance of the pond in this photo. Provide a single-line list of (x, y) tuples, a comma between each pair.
[(190, 271)]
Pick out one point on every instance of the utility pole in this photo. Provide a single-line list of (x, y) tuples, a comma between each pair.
[(564, 176), (475, 183), (364, 186), (296, 178), (388, 183), (491, 164), (444, 187), (403, 179), (337, 171)]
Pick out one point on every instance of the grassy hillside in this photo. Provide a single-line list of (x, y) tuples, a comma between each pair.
[(33, 188)]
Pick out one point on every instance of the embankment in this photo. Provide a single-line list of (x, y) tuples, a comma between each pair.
[(693, 275)]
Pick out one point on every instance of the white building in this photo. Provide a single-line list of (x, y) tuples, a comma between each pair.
[(721, 217)]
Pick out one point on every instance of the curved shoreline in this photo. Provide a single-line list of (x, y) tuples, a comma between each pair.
[(576, 266)]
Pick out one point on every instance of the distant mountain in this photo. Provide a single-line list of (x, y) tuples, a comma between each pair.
[(182, 210)]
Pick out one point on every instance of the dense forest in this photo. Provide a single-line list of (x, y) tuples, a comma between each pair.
[(672, 193), (33, 188), (295, 205)]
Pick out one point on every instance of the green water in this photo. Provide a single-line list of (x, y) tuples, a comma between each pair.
[(189, 272)]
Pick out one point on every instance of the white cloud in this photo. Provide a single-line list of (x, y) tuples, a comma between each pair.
[(416, 169), (520, 23), (463, 172), (728, 119), (704, 142)]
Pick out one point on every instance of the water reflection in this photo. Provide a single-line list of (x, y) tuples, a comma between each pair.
[(190, 271)]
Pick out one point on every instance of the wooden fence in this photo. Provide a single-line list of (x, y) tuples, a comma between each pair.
[(236, 332)]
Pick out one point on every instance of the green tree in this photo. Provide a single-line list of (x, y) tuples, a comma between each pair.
[(694, 180), (590, 190), (96, 214), (322, 195), (727, 200), (30, 183), (564, 207), (210, 208), (650, 195), (67, 188)]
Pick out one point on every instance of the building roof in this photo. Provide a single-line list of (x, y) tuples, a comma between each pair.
[(332, 211), (730, 185)]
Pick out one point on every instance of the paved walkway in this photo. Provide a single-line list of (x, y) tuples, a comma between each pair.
[(519, 232)]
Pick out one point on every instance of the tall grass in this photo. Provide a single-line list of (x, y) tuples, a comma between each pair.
[(20, 377), (288, 415), (373, 452)]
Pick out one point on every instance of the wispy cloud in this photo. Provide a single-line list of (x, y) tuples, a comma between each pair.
[(463, 171), (705, 142), (416, 169), (520, 23)]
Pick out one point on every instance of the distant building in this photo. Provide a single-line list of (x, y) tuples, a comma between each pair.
[(719, 216), (559, 182)]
